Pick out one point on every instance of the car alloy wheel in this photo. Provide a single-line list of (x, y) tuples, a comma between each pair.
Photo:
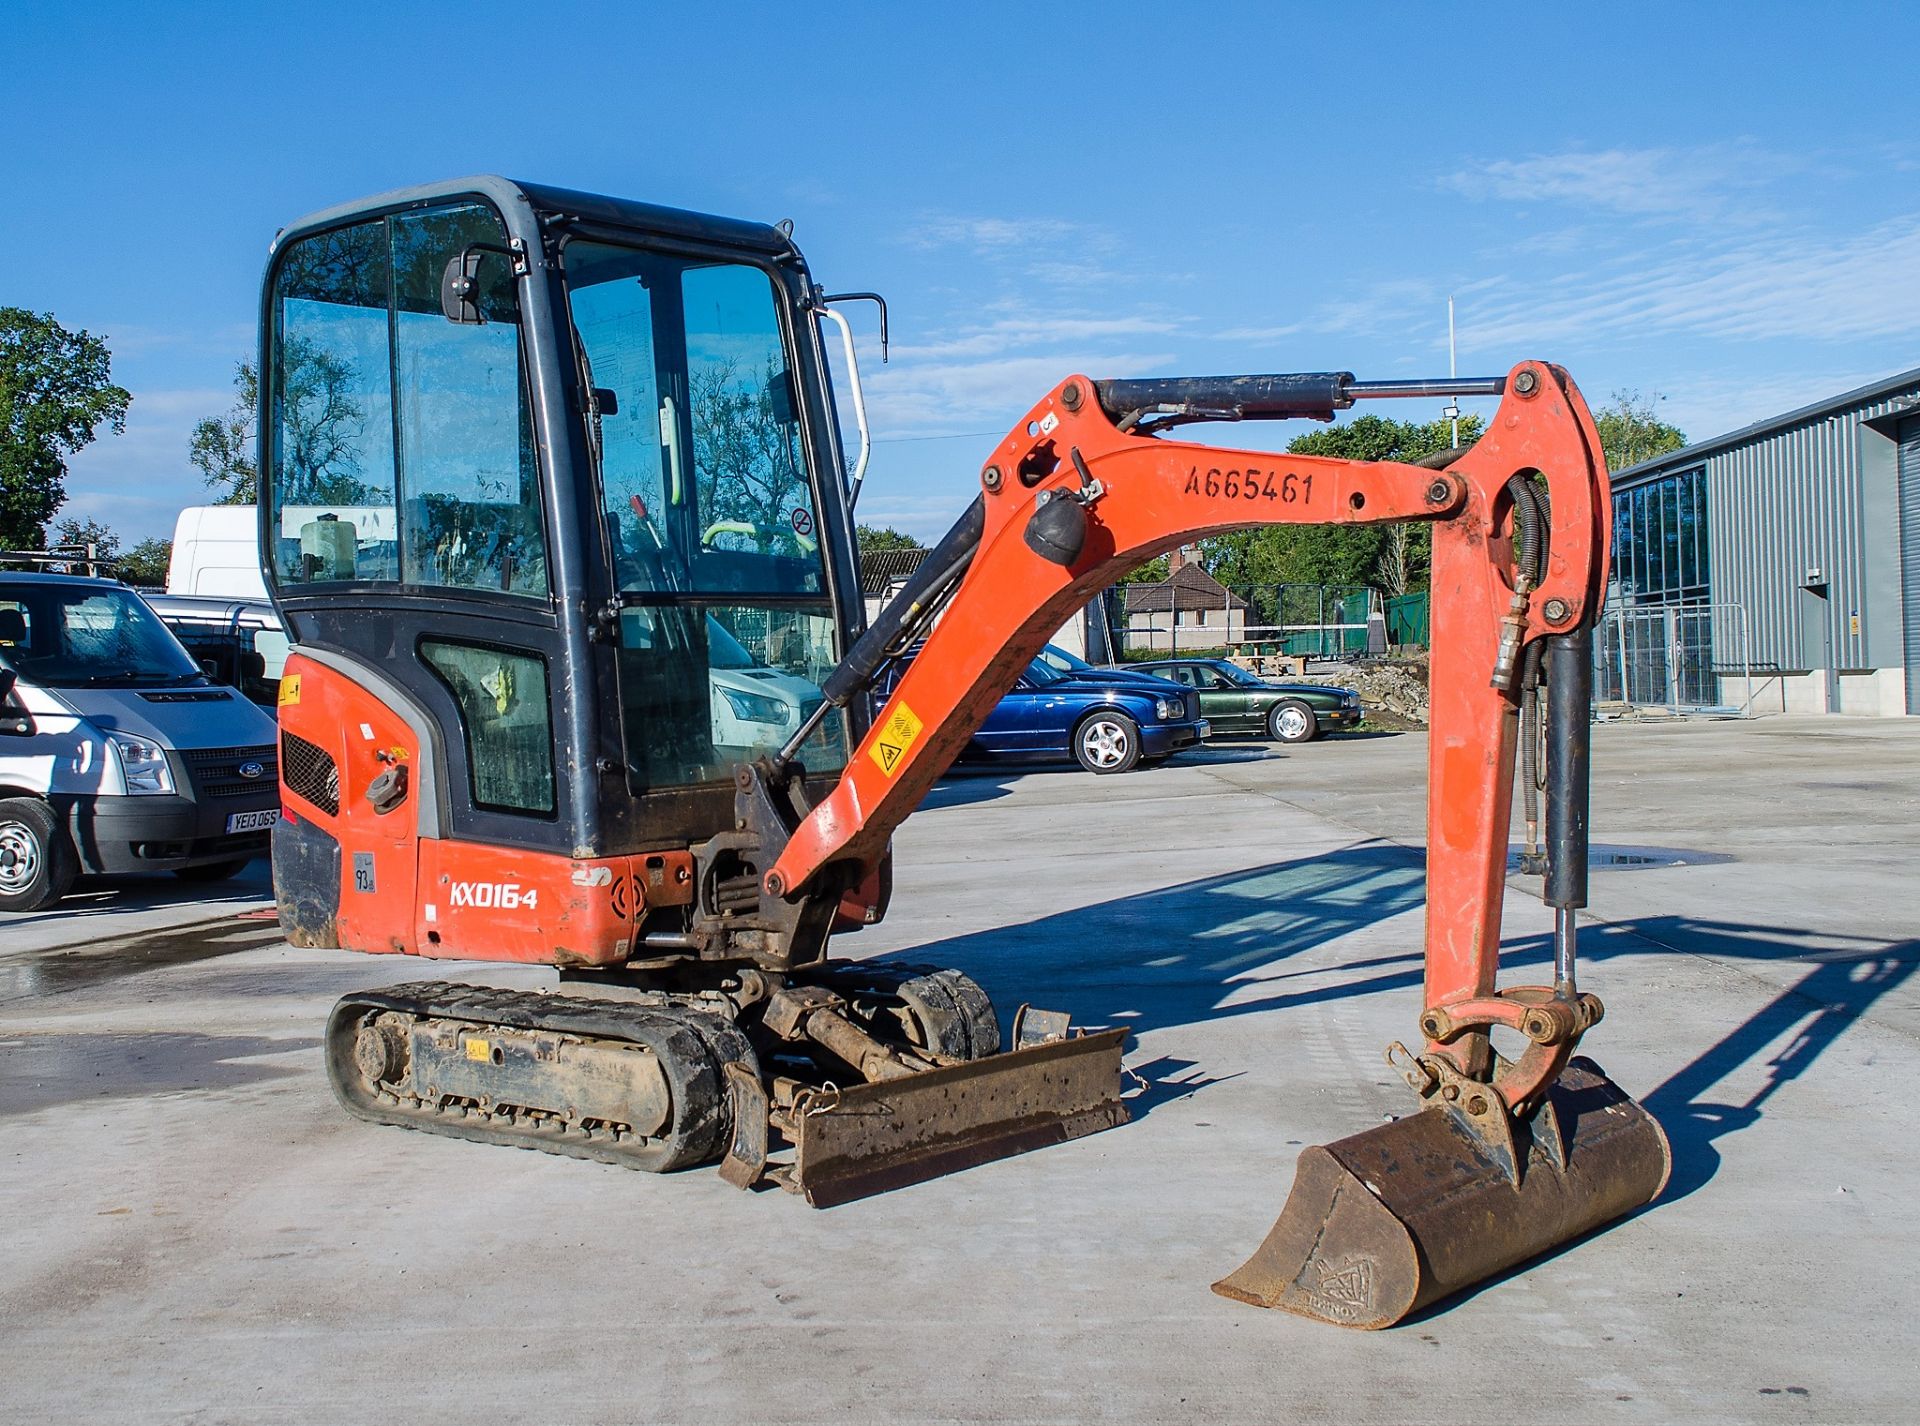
[(1292, 722), (1107, 742)]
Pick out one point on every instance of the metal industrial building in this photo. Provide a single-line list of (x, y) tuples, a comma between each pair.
[(1775, 568)]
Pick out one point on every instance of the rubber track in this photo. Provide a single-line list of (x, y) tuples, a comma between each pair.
[(691, 1046)]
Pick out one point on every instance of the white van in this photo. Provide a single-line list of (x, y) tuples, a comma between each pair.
[(216, 550), (117, 753), (238, 642)]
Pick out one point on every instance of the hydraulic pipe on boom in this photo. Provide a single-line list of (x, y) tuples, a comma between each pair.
[(1509, 1157)]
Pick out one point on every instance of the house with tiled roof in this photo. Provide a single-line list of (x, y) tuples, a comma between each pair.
[(1188, 609)]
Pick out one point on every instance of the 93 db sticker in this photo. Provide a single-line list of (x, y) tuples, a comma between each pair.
[(894, 738)]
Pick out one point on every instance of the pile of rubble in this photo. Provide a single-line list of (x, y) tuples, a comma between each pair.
[(1397, 688)]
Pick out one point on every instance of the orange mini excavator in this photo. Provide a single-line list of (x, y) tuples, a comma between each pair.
[(555, 507)]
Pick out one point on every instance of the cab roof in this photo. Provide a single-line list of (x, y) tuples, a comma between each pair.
[(563, 202)]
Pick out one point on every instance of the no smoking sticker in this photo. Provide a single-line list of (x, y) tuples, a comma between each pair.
[(895, 737)]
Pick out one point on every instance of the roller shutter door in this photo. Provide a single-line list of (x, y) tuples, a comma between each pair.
[(1910, 552)]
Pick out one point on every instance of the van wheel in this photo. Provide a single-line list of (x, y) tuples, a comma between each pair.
[(1107, 742), (37, 864), (213, 871)]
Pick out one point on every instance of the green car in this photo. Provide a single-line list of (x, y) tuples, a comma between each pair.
[(1235, 701)]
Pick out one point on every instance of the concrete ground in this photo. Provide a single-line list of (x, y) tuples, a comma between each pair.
[(191, 1231)]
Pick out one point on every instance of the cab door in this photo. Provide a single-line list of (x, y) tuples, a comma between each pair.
[(406, 538)]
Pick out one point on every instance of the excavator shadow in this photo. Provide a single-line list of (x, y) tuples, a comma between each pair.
[(1260, 940), (1846, 977), (1226, 945), (1842, 985)]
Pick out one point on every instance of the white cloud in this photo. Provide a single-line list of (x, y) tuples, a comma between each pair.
[(138, 482), (935, 396), (1008, 333), (1655, 182), (1709, 405), (991, 235), (1781, 286)]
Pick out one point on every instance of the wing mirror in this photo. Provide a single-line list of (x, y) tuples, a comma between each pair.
[(15, 721), (460, 281)]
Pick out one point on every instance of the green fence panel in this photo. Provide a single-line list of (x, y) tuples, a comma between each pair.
[(1407, 619)]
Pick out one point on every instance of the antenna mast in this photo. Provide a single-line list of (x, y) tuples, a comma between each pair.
[(1452, 409)]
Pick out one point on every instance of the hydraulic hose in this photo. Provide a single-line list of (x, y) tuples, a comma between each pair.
[(945, 563)]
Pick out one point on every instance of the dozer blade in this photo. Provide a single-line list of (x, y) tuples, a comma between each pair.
[(1384, 1222), (869, 1138)]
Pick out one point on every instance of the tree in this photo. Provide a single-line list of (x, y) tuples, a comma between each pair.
[(873, 538), (78, 533), (222, 446), (146, 563), (321, 424), (742, 434), (56, 391), (1631, 433)]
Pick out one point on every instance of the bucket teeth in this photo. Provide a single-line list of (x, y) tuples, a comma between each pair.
[(1382, 1223)]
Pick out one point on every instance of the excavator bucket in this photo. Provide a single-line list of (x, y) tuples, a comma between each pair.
[(869, 1138), (1384, 1222)]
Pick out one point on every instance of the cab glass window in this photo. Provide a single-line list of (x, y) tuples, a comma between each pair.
[(692, 412), (330, 401), (402, 442), (468, 479), (726, 630), (505, 717), (706, 686)]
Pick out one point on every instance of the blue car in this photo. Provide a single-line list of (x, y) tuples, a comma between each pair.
[(1107, 722)]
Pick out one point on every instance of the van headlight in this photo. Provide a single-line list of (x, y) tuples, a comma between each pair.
[(1169, 708), (143, 763), (752, 708)]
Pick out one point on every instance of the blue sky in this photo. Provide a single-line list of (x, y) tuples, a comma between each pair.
[(1717, 203)]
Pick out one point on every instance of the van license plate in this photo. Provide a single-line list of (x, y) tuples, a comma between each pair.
[(253, 821)]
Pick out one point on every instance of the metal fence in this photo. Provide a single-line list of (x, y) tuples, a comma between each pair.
[(1685, 658), (1319, 621)]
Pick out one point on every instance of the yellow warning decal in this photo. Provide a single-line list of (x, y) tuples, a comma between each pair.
[(289, 690), (480, 1050), (894, 738)]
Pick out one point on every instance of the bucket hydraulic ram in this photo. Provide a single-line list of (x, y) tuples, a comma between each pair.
[(1507, 1157)]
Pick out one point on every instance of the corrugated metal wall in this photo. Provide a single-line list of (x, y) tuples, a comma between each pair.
[(1909, 465), (1783, 503)]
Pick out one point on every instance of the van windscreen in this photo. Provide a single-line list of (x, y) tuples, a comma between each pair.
[(88, 636)]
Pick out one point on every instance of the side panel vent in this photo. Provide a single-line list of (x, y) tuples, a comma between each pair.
[(310, 771)]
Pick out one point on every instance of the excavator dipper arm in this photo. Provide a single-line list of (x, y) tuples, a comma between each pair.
[(1514, 1159)]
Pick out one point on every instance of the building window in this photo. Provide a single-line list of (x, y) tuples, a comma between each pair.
[(1656, 645), (1660, 540)]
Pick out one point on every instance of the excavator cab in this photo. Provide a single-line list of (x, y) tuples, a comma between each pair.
[(564, 476)]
